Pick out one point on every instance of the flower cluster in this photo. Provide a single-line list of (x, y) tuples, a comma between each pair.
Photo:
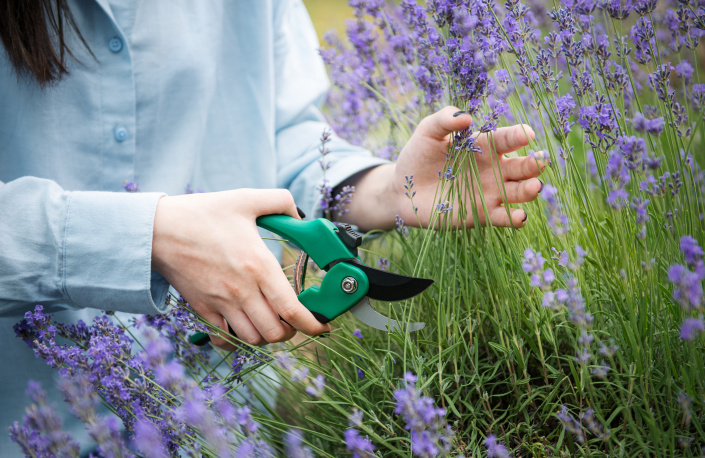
[(495, 449), (147, 389), (333, 204), (41, 431), (569, 299), (557, 219), (430, 434), (300, 374), (688, 289), (361, 447)]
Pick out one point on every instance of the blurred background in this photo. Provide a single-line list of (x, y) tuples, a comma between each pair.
[(328, 14)]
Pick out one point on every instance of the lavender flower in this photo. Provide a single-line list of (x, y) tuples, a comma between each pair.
[(383, 264), (618, 172), (600, 119), (430, 434), (608, 350), (688, 291), (642, 215), (40, 433), (359, 446), (131, 186), (588, 419), (148, 439), (653, 125), (692, 252), (564, 107), (495, 449), (317, 386), (691, 327), (557, 219), (253, 446), (444, 207), (602, 370), (294, 445), (571, 425), (533, 262), (355, 418), (685, 402), (401, 227)]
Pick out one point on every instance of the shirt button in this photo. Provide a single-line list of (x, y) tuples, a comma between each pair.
[(120, 134), (115, 44)]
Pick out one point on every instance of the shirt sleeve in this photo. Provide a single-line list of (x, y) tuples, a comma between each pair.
[(301, 84), (77, 249)]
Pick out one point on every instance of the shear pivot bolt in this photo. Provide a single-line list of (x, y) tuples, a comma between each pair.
[(349, 285)]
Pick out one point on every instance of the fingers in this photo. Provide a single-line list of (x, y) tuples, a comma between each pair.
[(517, 192), (516, 218), (508, 139), (278, 292), (219, 342), (521, 168), (267, 322), (444, 122)]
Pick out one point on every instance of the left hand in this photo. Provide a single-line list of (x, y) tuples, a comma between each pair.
[(381, 191)]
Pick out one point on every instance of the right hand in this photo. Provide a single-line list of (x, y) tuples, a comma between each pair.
[(208, 248)]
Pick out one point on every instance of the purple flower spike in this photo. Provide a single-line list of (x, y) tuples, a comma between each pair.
[(317, 386), (355, 418), (40, 433), (691, 327), (691, 250), (361, 447), (148, 439), (571, 425), (557, 219), (294, 445), (533, 262), (430, 434), (357, 333), (131, 186), (495, 449)]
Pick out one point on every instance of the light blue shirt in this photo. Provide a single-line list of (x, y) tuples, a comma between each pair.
[(213, 95)]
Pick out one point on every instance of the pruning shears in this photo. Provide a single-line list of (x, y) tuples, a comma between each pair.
[(348, 282)]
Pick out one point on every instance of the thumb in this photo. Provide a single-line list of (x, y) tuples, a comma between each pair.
[(444, 122), (271, 202)]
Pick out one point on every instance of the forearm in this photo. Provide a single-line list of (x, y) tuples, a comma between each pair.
[(79, 249), (374, 202)]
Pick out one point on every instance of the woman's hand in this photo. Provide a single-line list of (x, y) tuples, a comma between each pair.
[(207, 247), (379, 194)]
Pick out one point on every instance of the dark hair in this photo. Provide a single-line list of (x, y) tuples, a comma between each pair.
[(34, 35)]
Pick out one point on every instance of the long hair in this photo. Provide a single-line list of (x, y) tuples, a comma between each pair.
[(34, 34)]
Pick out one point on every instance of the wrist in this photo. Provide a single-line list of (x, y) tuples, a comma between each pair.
[(375, 201)]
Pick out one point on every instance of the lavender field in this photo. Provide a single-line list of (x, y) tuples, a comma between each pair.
[(581, 334)]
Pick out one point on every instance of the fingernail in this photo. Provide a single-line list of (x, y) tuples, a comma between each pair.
[(455, 115), (301, 213), (540, 189), (526, 215)]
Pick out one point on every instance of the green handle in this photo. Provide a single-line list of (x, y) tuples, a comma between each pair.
[(331, 300), (319, 238), (343, 286)]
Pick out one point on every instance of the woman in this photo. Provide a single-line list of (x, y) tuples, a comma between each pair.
[(221, 97)]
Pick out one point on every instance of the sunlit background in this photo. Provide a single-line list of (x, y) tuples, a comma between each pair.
[(328, 14)]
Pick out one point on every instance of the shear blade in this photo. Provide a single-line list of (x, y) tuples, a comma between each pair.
[(386, 286), (364, 312)]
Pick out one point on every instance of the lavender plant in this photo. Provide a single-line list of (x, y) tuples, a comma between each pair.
[(582, 334)]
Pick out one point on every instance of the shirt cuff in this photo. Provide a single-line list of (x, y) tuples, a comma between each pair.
[(342, 169), (107, 252)]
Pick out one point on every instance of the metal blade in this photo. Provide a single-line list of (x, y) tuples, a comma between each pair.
[(386, 286), (364, 312)]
